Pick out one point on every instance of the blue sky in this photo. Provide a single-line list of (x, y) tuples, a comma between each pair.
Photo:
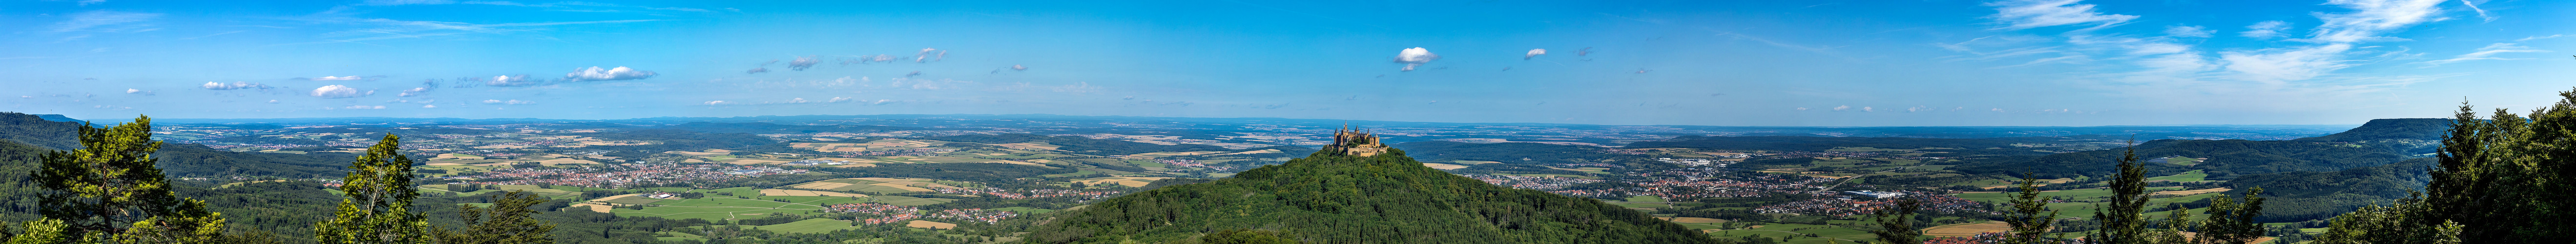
[(1786, 63)]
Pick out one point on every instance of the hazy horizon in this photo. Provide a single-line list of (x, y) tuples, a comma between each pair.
[(1931, 63)]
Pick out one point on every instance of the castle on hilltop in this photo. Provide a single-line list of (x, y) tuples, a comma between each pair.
[(1347, 141)]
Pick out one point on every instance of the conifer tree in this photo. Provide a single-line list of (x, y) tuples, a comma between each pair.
[(377, 207), (2123, 221), (507, 222), (2175, 223), (2030, 217), (111, 190), (2231, 221), (1896, 224)]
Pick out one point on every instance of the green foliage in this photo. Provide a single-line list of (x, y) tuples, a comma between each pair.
[(1896, 225), (2228, 158), (32, 130), (2407, 221), (2231, 221), (2506, 178), (110, 190), (1387, 198), (377, 207), (2030, 215), (1245, 237), (2315, 195), (508, 221), (2123, 222)]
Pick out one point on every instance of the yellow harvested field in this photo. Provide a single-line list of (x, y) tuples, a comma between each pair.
[(445, 164), (2192, 192), (805, 193), (593, 207), (566, 161), (903, 186), (822, 185), (1443, 166), (1967, 229), (1696, 220), (928, 224)]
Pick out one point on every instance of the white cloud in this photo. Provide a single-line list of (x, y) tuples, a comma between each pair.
[(1018, 67), (756, 71), (594, 73), (232, 86), (803, 62), (2370, 18), (2525, 39), (510, 80), (925, 55), (840, 100), (272, 101), (428, 106), (2266, 30), (1415, 57), (1843, 107), (95, 19), (509, 102), (1868, 109), (2482, 13), (2188, 31), (336, 78), (2287, 64), (1802, 109), (2026, 14), (363, 107), (336, 91), (1533, 53), (2488, 53), (137, 91), (717, 102)]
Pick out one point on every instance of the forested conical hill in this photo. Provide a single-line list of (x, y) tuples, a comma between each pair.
[(1332, 198)]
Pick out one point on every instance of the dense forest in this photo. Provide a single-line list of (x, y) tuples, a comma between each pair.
[(1387, 198), (2227, 158)]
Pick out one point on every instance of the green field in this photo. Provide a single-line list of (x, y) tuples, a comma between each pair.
[(2193, 175), (817, 225), (1785, 231), (718, 208), (1645, 199)]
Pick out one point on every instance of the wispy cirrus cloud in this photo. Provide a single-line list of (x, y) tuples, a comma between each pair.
[(105, 21), (2266, 30), (2487, 53), (2026, 14)]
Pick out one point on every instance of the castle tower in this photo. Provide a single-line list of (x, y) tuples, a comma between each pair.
[(1347, 141)]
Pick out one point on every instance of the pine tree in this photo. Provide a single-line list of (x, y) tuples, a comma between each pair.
[(2175, 224), (111, 190), (2027, 220), (507, 222), (1896, 225), (2123, 222), (2231, 221), (377, 207)]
